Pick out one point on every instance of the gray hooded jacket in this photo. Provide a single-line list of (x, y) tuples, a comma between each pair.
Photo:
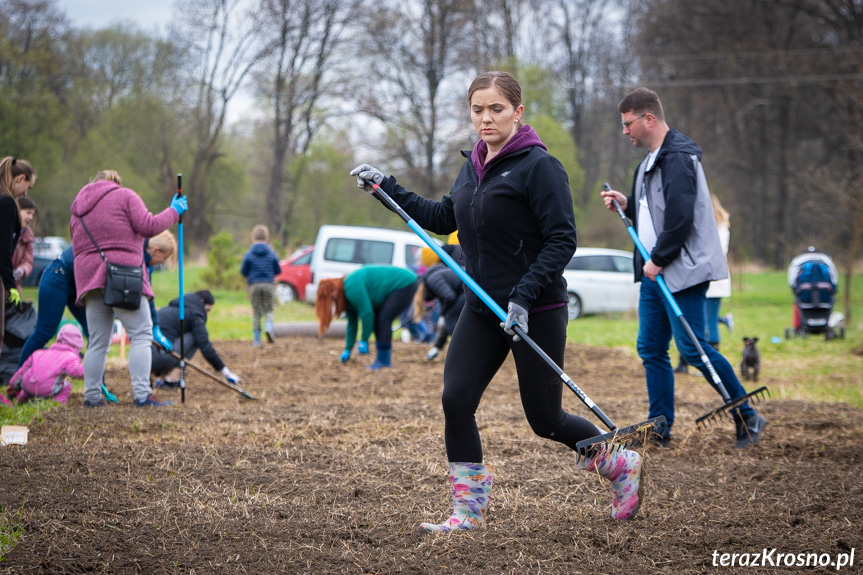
[(687, 245)]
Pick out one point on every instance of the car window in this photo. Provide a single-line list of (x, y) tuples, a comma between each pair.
[(412, 255), (591, 263), (304, 260), (622, 264), (348, 250)]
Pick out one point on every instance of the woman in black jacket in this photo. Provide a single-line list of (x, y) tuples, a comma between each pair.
[(441, 283), (16, 178), (512, 208)]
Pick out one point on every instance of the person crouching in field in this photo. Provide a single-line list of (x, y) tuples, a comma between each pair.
[(260, 267), (46, 373), (376, 295)]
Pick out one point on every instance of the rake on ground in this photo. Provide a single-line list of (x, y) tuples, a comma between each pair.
[(617, 436), (214, 377), (717, 381)]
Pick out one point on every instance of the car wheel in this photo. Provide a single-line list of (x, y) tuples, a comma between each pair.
[(574, 307), (286, 293)]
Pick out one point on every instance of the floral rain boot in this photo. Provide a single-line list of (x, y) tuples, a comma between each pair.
[(471, 490), (622, 468)]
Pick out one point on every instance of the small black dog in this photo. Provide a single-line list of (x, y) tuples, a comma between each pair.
[(751, 359)]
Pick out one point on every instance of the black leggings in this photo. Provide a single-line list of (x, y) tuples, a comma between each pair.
[(392, 308), (478, 348)]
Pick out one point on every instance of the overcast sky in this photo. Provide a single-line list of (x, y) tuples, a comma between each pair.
[(147, 14)]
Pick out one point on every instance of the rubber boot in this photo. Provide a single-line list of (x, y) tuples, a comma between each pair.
[(268, 329), (682, 367), (471, 491), (748, 430), (382, 360), (622, 468), (257, 338)]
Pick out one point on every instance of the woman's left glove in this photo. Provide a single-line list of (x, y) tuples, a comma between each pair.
[(365, 174), (180, 203), (515, 315), (346, 355), (363, 347), (161, 339)]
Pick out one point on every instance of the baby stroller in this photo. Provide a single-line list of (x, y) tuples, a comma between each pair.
[(814, 281)]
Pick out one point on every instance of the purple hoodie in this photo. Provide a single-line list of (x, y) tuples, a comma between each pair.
[(524, 138), (119, 222)]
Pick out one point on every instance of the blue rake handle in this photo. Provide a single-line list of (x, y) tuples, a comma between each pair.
[(498, 311), (182, 304)]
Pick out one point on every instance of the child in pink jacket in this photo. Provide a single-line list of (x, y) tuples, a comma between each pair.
[(45, 373)]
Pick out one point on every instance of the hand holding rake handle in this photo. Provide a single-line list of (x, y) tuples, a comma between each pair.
[(717, 381), (584, 446)]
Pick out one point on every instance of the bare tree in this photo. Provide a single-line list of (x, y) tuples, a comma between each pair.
[(416, 54), (222, 40), (771, 92), (301, 36)]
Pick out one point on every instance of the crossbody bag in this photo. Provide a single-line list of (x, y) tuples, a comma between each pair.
[(123, 284)]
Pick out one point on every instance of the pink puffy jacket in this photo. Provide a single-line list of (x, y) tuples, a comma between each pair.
[(45, 373)]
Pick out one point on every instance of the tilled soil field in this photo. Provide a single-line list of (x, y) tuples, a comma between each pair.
[(333, 467)]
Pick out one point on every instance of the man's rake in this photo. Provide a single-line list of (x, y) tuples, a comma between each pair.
[(717, 382), (617, 436)]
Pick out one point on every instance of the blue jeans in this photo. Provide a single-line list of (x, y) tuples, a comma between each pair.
[(657, 323), (712, 328), (56, 293)]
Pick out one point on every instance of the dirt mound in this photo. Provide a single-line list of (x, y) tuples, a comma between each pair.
[(331, 470)]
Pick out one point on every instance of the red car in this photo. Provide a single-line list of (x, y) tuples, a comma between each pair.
[(296, 273)]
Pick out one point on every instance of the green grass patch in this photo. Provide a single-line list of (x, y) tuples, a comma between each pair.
[(810, 368), (26, 414), (11, 530)]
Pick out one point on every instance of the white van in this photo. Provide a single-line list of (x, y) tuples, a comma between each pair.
[(339, 250)]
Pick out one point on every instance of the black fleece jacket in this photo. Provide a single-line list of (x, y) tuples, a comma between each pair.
[(516, 228), (194, 321)]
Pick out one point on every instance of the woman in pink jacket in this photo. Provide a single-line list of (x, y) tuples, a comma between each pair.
[(119, 222), (45, 373)]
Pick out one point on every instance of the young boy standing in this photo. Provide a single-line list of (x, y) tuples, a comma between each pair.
[(260, 268)]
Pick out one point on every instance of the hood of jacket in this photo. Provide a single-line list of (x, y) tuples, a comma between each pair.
[(260, 249), (71, 336), (524, 138), (677, 142), (90, 195)]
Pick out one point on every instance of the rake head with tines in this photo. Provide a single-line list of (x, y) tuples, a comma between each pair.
[(712, 416), (624, 437)]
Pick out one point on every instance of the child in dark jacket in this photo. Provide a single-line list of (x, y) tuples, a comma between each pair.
[(260, 267), (46, 373)]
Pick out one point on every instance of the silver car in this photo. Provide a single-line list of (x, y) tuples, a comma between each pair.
[(600, 280)]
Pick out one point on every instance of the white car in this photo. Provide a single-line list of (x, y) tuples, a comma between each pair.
[(49, 247), (600, 280)]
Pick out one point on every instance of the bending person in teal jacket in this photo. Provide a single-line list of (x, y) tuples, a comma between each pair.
[(376, 295)]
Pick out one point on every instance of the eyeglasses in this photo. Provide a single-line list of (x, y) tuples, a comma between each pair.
[(628, 123)]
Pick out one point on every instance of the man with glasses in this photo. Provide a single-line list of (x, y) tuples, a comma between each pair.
[(671, 210)]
